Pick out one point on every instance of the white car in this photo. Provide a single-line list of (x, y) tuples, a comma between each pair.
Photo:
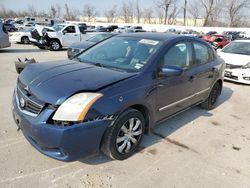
[(237, 58), (22, 36)]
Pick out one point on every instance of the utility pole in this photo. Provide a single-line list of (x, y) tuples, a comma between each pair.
[(185, 12)]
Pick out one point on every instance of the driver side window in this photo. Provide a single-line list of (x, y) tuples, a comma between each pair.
[(70, 29), (180, 55)]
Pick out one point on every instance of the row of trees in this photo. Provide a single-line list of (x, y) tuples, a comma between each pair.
[(213, 12)]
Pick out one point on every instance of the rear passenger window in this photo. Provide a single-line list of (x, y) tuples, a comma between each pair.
[(203, 54)]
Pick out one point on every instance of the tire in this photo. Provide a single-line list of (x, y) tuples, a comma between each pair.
[(55, 45), (25, 40), (121, 140), (210, 102)]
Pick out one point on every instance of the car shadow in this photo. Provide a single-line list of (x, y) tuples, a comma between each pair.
[(16, 50), (31, 50), (166, 128)]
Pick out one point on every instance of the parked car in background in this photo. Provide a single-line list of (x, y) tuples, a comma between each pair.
[(100, 29), (114, 93), (22, 36), (237, 58), (27, 25), (4, 37), (111, 28), (62, 36), (190, 32), (245, 34), (120, 30), (78, 47), (217, 41), (10, 27), (211, 33), (134, 29), (90, 28), (233, 34)]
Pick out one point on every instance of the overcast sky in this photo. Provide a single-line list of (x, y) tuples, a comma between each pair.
[(100, 5)]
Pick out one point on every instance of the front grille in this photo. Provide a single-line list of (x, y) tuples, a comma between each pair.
[(26, 104), (230, 66)]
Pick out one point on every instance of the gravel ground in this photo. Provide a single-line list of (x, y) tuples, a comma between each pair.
[(195, 149)]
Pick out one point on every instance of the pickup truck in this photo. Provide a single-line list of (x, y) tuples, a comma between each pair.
[(60, 36)]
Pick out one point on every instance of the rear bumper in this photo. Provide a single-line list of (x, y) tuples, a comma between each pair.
[(62, 143)]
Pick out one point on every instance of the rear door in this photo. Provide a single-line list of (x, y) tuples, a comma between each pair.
[(174, 93), (205, 70), (70, 36)]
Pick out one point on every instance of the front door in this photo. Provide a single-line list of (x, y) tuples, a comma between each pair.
[(70, 36), (174, 93)]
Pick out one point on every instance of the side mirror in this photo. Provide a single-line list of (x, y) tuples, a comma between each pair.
[(168, 71), (64, 32)]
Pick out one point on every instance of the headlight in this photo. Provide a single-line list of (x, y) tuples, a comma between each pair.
[(76, 107), (247, 66)]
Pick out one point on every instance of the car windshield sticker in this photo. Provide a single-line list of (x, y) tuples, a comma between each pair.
[(146, 41), (138, 65)]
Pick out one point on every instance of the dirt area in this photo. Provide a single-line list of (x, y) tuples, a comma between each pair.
[(195, 149)]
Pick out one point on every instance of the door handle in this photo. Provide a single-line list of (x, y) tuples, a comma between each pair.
[(214, 69), (75, 35), (192, 78)]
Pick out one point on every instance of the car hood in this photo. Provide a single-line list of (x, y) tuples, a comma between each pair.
[(53, 82), (82, 45), (235, 59)]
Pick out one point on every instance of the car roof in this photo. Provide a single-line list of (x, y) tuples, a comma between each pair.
[(153, 36)]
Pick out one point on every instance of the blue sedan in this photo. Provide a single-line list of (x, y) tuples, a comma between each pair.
[(114, 93)]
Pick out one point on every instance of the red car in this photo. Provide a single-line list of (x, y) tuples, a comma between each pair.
[(217, 41)]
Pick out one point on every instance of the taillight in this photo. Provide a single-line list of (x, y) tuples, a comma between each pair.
[(5, 30)]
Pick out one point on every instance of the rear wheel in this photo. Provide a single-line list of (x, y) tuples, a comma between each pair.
[(25, 40), (123, 138), (55, 45), (210, 102)]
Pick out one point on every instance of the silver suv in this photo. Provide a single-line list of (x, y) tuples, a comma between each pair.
[(4, 37)]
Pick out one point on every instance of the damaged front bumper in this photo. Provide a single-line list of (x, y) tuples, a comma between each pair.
[(65, 143)]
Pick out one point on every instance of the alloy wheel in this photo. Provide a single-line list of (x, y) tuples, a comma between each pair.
[(55, 45), (129, 135)]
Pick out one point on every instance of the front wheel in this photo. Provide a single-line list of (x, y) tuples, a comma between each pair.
[(55, 45), (123, 138), (210, 102)]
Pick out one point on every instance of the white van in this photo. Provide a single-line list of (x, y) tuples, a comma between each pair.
[(4, 37)]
